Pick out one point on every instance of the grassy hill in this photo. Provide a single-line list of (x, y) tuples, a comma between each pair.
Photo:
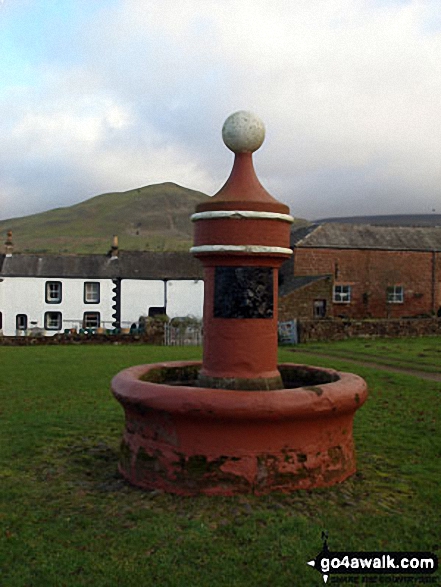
[(155, 217)]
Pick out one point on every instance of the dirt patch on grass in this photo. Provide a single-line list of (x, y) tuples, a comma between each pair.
[(380, 367)]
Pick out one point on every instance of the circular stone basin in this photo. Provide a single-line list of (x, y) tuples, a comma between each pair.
[(185, 439)]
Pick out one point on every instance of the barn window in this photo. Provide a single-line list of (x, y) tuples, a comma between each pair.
[(52, 321), (342, 294), (91, 320), (53, 292), (21, 322), (91, 292), (319, 308), (395, 294)]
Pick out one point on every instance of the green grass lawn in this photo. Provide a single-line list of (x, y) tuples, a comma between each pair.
[(421, 354), (68, 520)]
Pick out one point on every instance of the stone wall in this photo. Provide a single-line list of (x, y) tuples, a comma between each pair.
[(151, 336), (323, 330), (309, 331)]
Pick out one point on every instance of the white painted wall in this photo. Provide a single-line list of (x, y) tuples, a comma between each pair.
[(185, 298), (137, 296), (27, 295)]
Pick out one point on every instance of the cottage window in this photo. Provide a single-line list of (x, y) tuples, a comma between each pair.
[(91, 292), (52, 321), (91, 320), (156, 311), (395, 294), (21, 322), (342, 294), (53, 292)]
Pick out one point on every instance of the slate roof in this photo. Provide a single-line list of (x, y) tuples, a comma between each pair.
[(365, 236), (387, 219), (294, 283), (128, 265)]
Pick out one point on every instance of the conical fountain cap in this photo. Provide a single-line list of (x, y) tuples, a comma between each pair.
[(243, 133)]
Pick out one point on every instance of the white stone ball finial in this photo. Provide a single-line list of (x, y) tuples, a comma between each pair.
[(243, 132)]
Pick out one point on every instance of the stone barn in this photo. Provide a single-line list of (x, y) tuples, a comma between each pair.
[(374, 271)]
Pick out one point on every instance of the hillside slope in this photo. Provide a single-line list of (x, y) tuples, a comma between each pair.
[(155, 217)]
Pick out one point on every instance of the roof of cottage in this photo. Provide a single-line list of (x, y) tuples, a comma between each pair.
[(294, 283), (366, 236), (128, 265)]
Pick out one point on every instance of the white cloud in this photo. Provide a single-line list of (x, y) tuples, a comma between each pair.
[(349, 91), (94, 138)]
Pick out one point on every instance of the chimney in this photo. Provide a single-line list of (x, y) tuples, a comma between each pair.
[(9, 246), (114, 250)]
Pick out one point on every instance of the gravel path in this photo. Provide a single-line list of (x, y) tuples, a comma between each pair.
[(420, 374)]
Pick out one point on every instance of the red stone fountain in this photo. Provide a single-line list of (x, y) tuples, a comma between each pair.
[(238, 422)]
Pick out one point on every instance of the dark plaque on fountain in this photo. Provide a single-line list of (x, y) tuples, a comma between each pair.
[(243, 292)]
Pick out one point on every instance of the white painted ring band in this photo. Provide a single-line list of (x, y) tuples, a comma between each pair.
[(240, 249), (237, 214)]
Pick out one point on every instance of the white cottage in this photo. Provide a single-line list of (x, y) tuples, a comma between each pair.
[(54, 293)]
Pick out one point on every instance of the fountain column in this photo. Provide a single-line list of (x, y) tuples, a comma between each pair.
[(241, 236)]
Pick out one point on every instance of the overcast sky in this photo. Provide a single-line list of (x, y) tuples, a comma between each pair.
[(110, 95)]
